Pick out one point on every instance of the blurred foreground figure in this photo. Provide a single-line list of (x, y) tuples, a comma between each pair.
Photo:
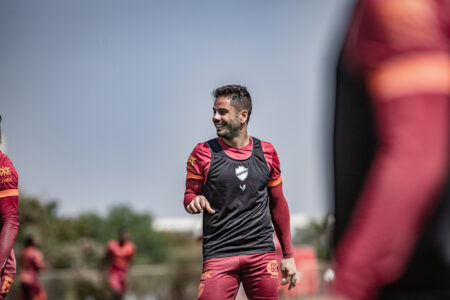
[(32, 262), (119, 254), (392, 152), (235, 181), (9, 222)]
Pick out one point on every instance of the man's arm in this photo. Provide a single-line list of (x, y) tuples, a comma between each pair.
[(9, 210), (197, 169), (9, 218), (405, 59), (281, 221), (38, 261), (194, 202)]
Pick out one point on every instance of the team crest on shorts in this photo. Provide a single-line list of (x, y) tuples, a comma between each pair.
[(206, 275), (241, 173), (272, 268)]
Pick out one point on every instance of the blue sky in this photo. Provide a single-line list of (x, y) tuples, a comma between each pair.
[(102, 101)]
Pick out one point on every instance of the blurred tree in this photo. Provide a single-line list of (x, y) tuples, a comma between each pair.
[(79, 241), (317, 234)]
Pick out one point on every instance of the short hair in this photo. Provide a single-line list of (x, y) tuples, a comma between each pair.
[(29, 241), (239, 97)]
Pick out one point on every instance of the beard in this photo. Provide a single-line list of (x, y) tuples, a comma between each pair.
[(228, 130)]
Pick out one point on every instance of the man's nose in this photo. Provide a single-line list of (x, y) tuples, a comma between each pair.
[(216, 117)]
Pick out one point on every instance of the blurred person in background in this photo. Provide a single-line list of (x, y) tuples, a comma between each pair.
[(391, 149), (9, 221), (32, 261), (235, 180), (119, 254)]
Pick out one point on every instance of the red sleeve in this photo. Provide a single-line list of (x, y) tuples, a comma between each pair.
[(400, 46), (9, 212), (197, 170), (198, 163), (132, 251), (403, 47), (273, 162), (194, 187), (38, 260), (280, 218)]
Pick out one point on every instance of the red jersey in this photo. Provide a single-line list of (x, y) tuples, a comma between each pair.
[(198, 166), (31, 262), (9, 213), (200, 160), (391, 151), (120, 255)]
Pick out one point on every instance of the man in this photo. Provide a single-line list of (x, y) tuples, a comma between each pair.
[(9, 222), (119, 254), (392, 152), (235, 181), (32, 262)]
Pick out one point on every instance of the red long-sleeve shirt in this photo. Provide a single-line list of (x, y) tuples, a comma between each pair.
[(32, 261), (9, 213), (399, 50)]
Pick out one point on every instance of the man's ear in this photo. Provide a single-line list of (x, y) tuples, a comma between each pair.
[(243, 116)]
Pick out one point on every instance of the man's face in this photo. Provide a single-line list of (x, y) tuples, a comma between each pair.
[(225, 118), (123, 235)]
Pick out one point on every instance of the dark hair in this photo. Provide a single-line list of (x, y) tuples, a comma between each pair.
[(239, 97), (29, 241)]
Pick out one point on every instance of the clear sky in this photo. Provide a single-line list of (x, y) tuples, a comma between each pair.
[(102, 101)]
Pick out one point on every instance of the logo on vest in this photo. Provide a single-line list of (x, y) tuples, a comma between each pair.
[(241, 173), (243, 187)]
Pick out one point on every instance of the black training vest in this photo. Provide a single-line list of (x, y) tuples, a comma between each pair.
[(237, 191)]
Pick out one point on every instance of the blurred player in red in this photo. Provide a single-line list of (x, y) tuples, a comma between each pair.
[(9, 222), (235, 180), (392, 152), (32, 262), (119, 253)]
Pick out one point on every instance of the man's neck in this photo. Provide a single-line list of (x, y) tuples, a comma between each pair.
[(239, 141)]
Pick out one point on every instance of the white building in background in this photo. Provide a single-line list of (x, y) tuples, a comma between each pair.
[(193, 224)]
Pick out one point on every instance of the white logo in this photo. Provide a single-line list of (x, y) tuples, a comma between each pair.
[(241, 173), (243, 187)]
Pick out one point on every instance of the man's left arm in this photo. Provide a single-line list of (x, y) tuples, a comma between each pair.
[(279, 211), (9, 210)]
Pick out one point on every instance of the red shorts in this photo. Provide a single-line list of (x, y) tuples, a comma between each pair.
[(222, 276), (117, 281)]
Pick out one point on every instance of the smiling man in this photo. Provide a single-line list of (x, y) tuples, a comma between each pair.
[(235, 181)]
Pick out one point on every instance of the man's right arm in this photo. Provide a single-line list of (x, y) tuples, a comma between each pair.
[(197, 169)]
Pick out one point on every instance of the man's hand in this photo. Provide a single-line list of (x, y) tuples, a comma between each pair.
[(289, 272), (198, 204)]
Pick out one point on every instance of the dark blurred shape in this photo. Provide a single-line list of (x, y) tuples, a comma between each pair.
[(391, 151)]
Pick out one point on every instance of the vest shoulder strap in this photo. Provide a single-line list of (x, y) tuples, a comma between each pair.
[(215, 146)]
